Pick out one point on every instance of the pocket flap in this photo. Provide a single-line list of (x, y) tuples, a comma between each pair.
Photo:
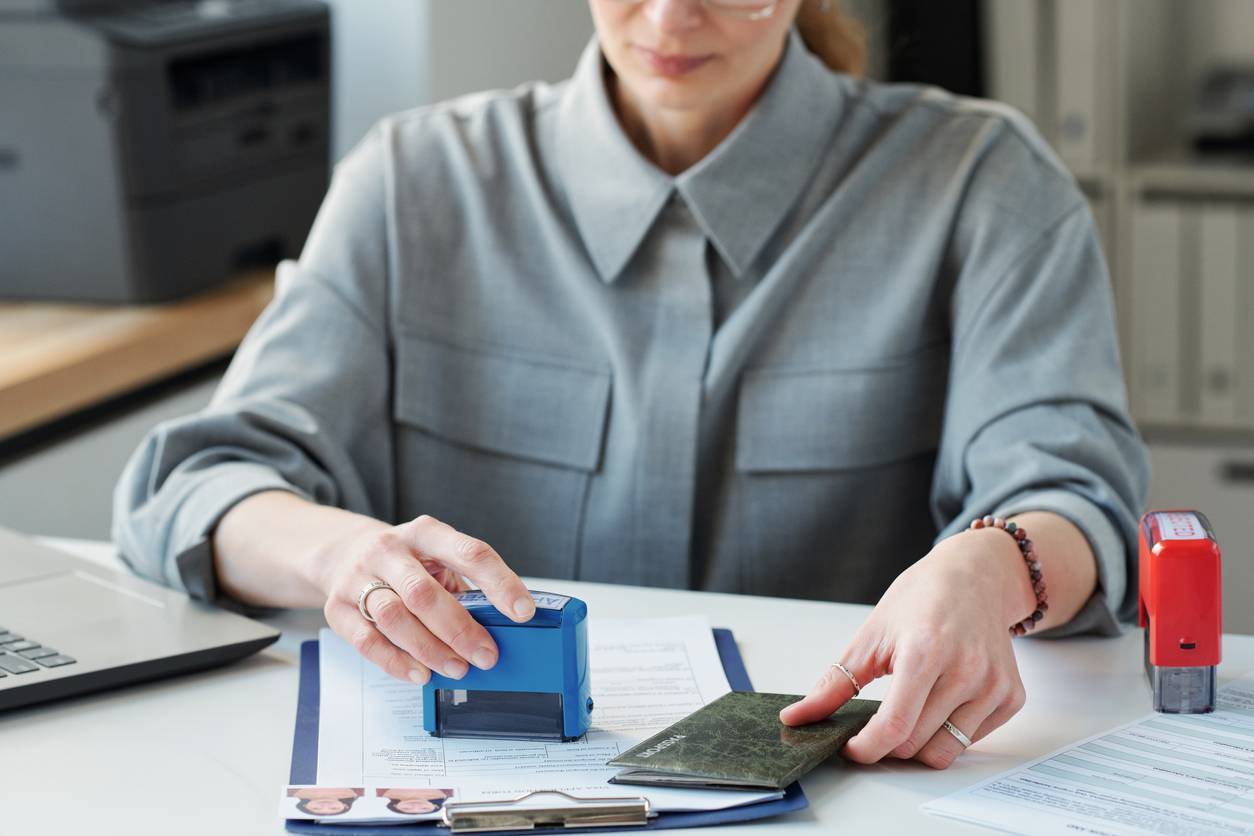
[(844, 418), (514, 404)]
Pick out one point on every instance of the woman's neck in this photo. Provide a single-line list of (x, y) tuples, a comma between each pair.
[(674, 139)]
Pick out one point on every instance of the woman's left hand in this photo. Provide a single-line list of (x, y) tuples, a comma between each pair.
[(941, 630)]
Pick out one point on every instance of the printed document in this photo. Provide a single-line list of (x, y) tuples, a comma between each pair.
[(646, 674), (1164, 773)]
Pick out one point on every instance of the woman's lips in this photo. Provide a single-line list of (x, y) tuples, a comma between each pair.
[(672, 65)]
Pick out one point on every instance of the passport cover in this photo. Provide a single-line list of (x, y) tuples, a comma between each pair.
[(738, 742)]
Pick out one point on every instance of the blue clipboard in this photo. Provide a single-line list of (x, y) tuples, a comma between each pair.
[(305, 765)]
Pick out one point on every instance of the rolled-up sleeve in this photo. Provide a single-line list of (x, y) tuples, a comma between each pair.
[(303, 407), (1036, 416)]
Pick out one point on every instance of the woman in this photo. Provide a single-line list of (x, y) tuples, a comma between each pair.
[(711, 314), (324, 801), (414, 801)]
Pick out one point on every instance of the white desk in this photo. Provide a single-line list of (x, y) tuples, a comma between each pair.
[(208, 753)]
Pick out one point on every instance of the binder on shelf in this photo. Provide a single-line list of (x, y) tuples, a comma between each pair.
[(1157, 321), (1245, 319), (1016, 57), (571, 815), (1079, 40), (1218, 245)]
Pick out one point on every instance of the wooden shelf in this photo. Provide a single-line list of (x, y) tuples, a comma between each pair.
[(1186, 175), (58, 358), (1197, 435)]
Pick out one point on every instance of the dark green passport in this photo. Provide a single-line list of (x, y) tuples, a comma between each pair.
[(737, 742)]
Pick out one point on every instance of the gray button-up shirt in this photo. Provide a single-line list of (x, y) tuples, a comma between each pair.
[(872, 313)]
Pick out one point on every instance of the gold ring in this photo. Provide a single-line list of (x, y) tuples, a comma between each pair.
[(957, 733), (373, 586), (857, 689)]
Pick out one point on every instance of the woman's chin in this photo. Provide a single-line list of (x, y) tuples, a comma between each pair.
[(674, 93)]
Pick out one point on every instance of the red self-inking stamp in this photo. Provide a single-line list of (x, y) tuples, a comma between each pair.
[(1180, 609)]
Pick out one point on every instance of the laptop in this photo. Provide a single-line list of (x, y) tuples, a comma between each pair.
[(68, 626)]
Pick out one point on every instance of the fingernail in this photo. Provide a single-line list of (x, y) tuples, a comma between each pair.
[(455, 669), (483, 658), (419, 677), (525, 608)]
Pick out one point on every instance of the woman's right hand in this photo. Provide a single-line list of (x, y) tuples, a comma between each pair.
[(419, 626)]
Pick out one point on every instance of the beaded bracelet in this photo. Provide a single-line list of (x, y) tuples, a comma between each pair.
[(1034, 569)]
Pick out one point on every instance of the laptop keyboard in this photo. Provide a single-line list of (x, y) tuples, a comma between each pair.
[(19, 655)]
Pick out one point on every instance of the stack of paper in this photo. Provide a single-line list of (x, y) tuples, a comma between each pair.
[(1164, 773)]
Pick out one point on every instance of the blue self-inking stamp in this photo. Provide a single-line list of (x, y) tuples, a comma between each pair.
[(539, 688)]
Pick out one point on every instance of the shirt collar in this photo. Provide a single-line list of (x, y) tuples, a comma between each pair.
[(739, 193)]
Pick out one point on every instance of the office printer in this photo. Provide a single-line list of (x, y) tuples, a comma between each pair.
[(152, 149)]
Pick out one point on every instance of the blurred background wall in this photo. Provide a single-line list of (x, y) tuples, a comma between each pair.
[(1115, 85), (395, 54)]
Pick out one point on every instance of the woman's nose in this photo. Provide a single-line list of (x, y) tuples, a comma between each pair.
[(674, 15)]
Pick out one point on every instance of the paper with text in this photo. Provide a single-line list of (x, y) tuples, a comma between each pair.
[(646, 674), (1163, 773)]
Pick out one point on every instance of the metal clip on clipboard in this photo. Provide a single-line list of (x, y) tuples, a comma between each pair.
[(489, 816)]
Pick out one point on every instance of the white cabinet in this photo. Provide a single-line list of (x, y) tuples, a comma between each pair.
[(1219, 482)]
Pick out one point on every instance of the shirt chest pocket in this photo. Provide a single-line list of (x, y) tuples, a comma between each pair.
[(499, 445), (814, 452), (839, 419)]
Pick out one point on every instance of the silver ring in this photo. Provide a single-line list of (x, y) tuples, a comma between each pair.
[(365, 593), (957, 733), (857, 689)]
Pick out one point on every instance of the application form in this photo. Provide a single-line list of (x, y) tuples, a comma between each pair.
[(1163, 773), (646, 674)]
